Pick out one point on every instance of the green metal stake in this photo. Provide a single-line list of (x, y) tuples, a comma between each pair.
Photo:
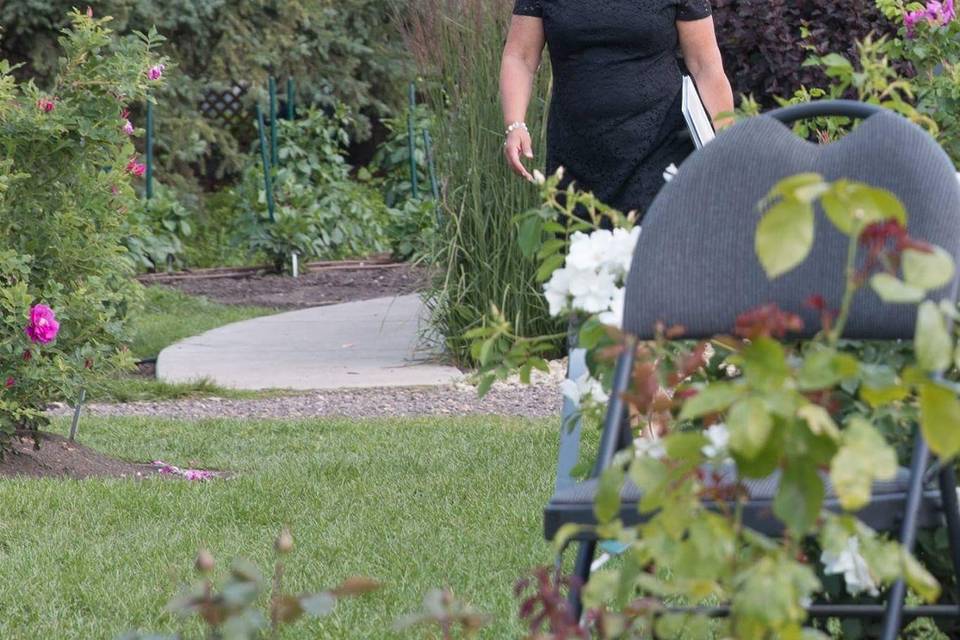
[(149, 145), (411, 140), (274, 156), (265, 160), (431, 167), (291, 100)]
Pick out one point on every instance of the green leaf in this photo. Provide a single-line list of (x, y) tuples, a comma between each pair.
[(927, 270), (851, 206), (784, 236), (713, 398), (892, 290), (932, 343), (819, 421), (805, 187), (549, 265), (750, 425), (799, 497), (878, 397), (764, 363), (530, 235), (864, 456), (919, 579), (825, 368), (606, 505), (940, 419)]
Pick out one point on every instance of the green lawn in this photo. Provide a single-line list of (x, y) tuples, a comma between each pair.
[(415, 503), (169, 316)]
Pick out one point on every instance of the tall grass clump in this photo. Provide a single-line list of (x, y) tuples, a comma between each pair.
[(457, 45)]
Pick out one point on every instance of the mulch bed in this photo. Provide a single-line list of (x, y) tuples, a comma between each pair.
[(324, 284), (60, 458)]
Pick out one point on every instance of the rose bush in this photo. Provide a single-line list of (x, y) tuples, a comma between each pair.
[(66, 187), (751, 403)]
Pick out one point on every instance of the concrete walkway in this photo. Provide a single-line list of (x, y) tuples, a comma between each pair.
[(373, 343)]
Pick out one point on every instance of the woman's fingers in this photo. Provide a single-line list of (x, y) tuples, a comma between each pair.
[(527, 145), (513, 150), (515, 146)]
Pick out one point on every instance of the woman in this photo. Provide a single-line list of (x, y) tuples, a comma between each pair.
[(615, 119)]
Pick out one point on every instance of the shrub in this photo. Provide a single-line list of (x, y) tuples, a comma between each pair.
[(931, 45), (321, 211), (65, 190), (753, 402), (765, 42)]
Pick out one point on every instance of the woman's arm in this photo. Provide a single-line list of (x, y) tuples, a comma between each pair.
[(521, 59), (701, 53)]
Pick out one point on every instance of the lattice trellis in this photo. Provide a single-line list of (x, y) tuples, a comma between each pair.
[(226, 105)]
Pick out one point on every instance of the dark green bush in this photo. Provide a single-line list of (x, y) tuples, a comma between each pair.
[(339, 50), (157, 230), (321, 211), (765, 42)]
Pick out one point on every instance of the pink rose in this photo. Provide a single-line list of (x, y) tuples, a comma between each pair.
[(136, 168), (156, 72), (10, 382), (43, 326), (46, 105)]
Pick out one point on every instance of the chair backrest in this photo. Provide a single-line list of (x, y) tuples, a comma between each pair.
[(695, 263)]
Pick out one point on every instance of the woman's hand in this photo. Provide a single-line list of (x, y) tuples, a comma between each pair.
[(518, 144)]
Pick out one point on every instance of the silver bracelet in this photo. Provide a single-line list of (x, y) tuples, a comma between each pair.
[(517, 125)]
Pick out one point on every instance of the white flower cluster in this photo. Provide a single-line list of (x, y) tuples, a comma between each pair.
[(853, 566), (593, 277), (584, 390)]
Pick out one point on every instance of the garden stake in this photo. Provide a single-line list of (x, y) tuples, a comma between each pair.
[(291, 100), (265, 161), (149, 145), (431, 167), (295, 264), (411, 140), (274, 155), (76, 415)]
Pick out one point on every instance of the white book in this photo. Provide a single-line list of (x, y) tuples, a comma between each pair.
[(698, 120)]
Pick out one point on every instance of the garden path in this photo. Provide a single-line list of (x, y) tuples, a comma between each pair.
[(372, 343)]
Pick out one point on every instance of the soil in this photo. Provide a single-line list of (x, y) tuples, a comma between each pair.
[(57, 457), (323, 286)]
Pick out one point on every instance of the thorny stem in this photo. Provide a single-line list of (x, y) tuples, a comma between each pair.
[(274, 599), (851, 289)]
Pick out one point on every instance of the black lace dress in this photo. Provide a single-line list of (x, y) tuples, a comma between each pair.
[(615, 114)]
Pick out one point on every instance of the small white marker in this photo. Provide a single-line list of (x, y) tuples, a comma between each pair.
[(296, 264)]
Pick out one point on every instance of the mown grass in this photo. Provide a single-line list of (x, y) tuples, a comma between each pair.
[(168, 316), (417, 503)]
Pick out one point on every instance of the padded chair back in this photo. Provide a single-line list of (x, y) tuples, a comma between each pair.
[(695, 263)]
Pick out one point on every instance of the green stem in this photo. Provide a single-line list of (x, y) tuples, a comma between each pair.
[(851, 289)]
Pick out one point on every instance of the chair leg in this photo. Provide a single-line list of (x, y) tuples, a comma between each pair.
[(581, 573), (951, 511), (896, 597)]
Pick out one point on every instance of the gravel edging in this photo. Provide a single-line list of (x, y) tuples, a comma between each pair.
[(540, 400)]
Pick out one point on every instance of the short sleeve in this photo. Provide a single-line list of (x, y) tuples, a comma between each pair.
[(528, 8), (693, 9)]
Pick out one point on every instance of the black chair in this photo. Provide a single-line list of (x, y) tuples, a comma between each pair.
[(695, 266)]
